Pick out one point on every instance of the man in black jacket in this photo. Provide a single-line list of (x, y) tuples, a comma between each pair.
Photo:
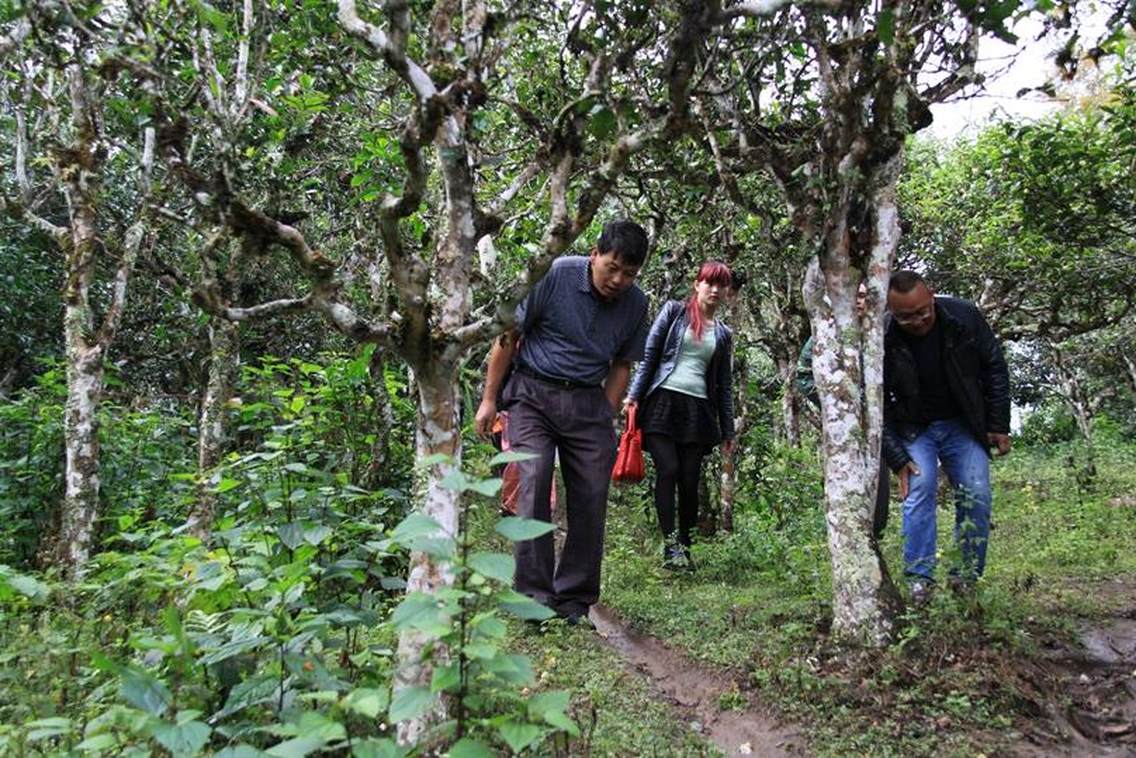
[(947, 398)]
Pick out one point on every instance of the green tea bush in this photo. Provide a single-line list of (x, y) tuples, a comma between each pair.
[(279, 634), (1049, 423), (141, 447)]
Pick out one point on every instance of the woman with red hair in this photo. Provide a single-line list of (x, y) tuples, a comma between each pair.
[(685, 391)]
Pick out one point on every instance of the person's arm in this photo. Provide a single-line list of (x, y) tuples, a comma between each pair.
[(500, 356), (616, 382), (725, 383), (652, 352), (995, 386)]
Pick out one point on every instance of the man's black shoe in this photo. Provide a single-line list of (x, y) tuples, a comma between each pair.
[(579, 619)]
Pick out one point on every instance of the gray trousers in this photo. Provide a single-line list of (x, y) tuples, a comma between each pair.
[(545, 418)]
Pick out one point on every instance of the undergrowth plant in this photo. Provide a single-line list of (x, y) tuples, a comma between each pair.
[(278, 636)]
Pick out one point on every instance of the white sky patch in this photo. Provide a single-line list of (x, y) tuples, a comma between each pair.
[(1008, 68)]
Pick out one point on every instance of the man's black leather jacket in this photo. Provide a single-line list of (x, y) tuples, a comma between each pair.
[(975, 371)]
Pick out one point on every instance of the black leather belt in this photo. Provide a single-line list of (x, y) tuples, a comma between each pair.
[(564, 384)]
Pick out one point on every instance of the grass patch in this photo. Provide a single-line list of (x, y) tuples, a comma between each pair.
[(954, 680), (614, 707)]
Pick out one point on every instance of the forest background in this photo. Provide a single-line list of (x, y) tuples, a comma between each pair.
[(252, 257)]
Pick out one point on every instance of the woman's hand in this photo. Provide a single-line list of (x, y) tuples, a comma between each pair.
[(729, 446), (629, 405)]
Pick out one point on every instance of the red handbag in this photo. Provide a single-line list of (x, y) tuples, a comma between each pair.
[(629, 460)]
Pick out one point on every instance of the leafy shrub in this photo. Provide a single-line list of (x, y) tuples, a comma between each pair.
[(1050, 423)]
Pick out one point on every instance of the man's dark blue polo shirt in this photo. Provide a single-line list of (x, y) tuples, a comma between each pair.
[(568, 332)]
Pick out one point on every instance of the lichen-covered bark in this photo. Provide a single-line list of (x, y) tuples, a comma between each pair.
[(86, 342), (848, 368), (81, 442), (790, 418), (83, 352), (437, 433), (224, 362), (729, 477), (383, 421)]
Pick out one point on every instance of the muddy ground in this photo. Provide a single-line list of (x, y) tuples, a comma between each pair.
[(1075, 696)]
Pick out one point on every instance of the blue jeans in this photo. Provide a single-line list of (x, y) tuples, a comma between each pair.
[(968, 468)]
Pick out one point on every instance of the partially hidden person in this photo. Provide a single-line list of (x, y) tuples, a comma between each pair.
[(946, 399), (580, 329), (683, 395)]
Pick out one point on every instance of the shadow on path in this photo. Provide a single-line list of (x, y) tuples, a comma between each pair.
[(696, 692)]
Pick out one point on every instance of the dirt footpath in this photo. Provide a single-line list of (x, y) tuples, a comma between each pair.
[(697, 693)]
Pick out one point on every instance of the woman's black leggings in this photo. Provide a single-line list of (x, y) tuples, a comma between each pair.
[(676, 467)]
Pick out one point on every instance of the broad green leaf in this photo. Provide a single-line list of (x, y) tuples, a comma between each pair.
[(519, 736), (144, 691), (523, 606), (225, 485), (419, 610), (544, 702), (240, 751), (416, 525), (410, 702), (510, 456), (48, 727), (561, 721), (512, 668), (487, 487), (456, 481), (372, 748), (297, 747), (497, 566), (292, 535), (468, 747), (314, 535), (518, 529), (229, 649), (97, 743), (367, 701), (28, 586), (489, 625), (439, 547), (445, 677), (181, 739)]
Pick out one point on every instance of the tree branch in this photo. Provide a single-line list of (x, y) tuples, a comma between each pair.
[(765, 8), (390, 47), (17, 32)]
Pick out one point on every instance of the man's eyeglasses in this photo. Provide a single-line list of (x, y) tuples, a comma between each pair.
[(915, 317)]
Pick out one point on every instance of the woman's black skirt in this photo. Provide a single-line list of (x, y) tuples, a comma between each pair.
[(686, 419)]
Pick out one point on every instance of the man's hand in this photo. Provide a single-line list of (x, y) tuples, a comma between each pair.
[(909, 469), (999, 441), (615, 385), (486, 415), (500, 358), (729, 446)]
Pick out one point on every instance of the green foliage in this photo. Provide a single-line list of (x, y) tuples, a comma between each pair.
[(278, 635), (1033, 217), (1052, 422), (31, 310), (141, 446)]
